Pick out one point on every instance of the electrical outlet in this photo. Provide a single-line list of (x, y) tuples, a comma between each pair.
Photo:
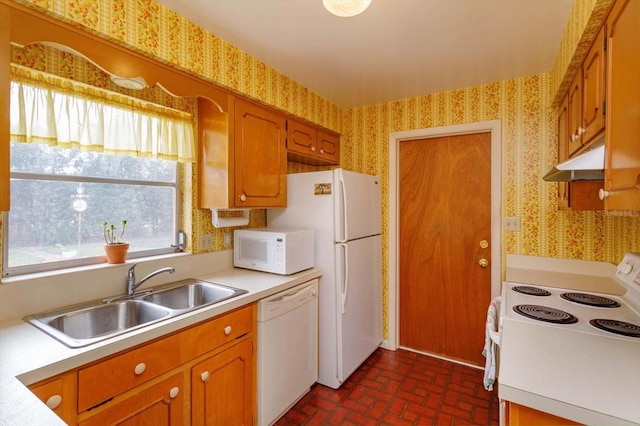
[(227, 239), (511, 224), (206, 241)]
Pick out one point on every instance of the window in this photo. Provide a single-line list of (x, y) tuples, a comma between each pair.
[(60, 197), (81, 156)]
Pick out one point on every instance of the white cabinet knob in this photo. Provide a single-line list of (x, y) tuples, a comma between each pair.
[(204, 376), (227, 330), (140, 368), (581, 131), (174, 392), (321, 151), (54, 402), (313, 149), (602, 194), (243, 197)]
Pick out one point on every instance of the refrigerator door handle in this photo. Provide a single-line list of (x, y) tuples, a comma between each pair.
[(342, 214), (343, 262)]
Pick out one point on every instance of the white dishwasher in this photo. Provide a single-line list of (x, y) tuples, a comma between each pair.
[(287, 349)]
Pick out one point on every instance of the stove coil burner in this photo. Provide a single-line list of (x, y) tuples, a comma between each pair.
[(544, 313), (531, 291), (591, 300), (617, 327)]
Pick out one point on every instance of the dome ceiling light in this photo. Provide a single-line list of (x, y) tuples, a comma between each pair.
[(346, 8)]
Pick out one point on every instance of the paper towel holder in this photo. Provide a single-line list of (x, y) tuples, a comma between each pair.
[(224, 222)]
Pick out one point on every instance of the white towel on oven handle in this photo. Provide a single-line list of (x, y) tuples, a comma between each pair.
[(491, 339)]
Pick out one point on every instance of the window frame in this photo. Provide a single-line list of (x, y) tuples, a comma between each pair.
[(72, 263)]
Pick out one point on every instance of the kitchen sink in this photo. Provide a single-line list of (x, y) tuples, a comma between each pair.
[(193, 295), (82, 325), (107, 319)]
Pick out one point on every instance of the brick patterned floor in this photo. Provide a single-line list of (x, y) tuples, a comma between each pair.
[(400, 388)]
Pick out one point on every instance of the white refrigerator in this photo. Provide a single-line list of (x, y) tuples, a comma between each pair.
[(344, 209)]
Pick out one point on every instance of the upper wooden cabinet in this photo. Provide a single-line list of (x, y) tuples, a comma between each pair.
[(563, 150), (574, 117), (307, 144), (622, 149), (586, 98), (593, 84), (260, 156)]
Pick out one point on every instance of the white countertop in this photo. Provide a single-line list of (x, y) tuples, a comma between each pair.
[(564, 373), (588, 377), (28, 355)]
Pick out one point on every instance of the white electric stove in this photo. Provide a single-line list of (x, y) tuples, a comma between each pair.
[(570, 338)]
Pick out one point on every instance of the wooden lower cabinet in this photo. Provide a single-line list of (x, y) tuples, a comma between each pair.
[(223, 391), (159, 404), (519, 415), (59, 394), (205, 374)]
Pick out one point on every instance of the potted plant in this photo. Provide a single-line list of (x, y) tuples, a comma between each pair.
[(115, 248)]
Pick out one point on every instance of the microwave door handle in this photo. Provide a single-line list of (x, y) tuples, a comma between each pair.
[(344, 274)]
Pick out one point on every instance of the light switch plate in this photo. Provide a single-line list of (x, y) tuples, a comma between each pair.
[(511, 223), (227, 239), (206, 241)]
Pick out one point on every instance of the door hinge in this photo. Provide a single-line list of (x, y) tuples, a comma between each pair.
[(605, 42), (604, 107)]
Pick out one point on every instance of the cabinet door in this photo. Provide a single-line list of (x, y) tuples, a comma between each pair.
[(223, 387), (301, 138), (575, 114), (160, 404), (622, 152), (328, 147), (524, 416), (260, 157), (563, 150), (60, 396), (593, 90)]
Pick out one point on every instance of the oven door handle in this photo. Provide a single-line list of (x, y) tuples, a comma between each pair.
[(493, 324)]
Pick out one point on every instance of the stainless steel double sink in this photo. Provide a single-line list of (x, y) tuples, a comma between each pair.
[(82, 325)]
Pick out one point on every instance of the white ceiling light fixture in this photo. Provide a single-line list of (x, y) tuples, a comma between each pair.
[(346, 8)]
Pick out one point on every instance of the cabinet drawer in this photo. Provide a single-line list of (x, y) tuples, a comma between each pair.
[(100, 382)]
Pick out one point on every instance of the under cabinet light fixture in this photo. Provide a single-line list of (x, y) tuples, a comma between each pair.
[(133, 83), (346, 8)]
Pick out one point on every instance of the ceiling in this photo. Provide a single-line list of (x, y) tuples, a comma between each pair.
[(396, 49)]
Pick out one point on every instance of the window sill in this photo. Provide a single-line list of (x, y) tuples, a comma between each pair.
[(87, 268)]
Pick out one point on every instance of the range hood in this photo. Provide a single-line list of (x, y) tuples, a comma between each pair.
[(589, 165)]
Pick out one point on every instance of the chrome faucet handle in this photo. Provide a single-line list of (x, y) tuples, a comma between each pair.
[(131, 279)]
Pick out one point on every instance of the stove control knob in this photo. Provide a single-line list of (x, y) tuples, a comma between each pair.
[(625, 268)]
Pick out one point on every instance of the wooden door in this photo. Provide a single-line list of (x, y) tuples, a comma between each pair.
[(445, 214), (223, 390), (260, 157)]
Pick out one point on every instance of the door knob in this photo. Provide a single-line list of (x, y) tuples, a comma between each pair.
[(483, 263), (484, 244)]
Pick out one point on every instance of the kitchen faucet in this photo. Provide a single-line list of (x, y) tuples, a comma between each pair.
[(131, 277)]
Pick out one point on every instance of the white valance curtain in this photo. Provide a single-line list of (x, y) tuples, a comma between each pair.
[(70, 114)]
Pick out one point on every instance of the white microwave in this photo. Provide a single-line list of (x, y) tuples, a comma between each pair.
[(277, 250)]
